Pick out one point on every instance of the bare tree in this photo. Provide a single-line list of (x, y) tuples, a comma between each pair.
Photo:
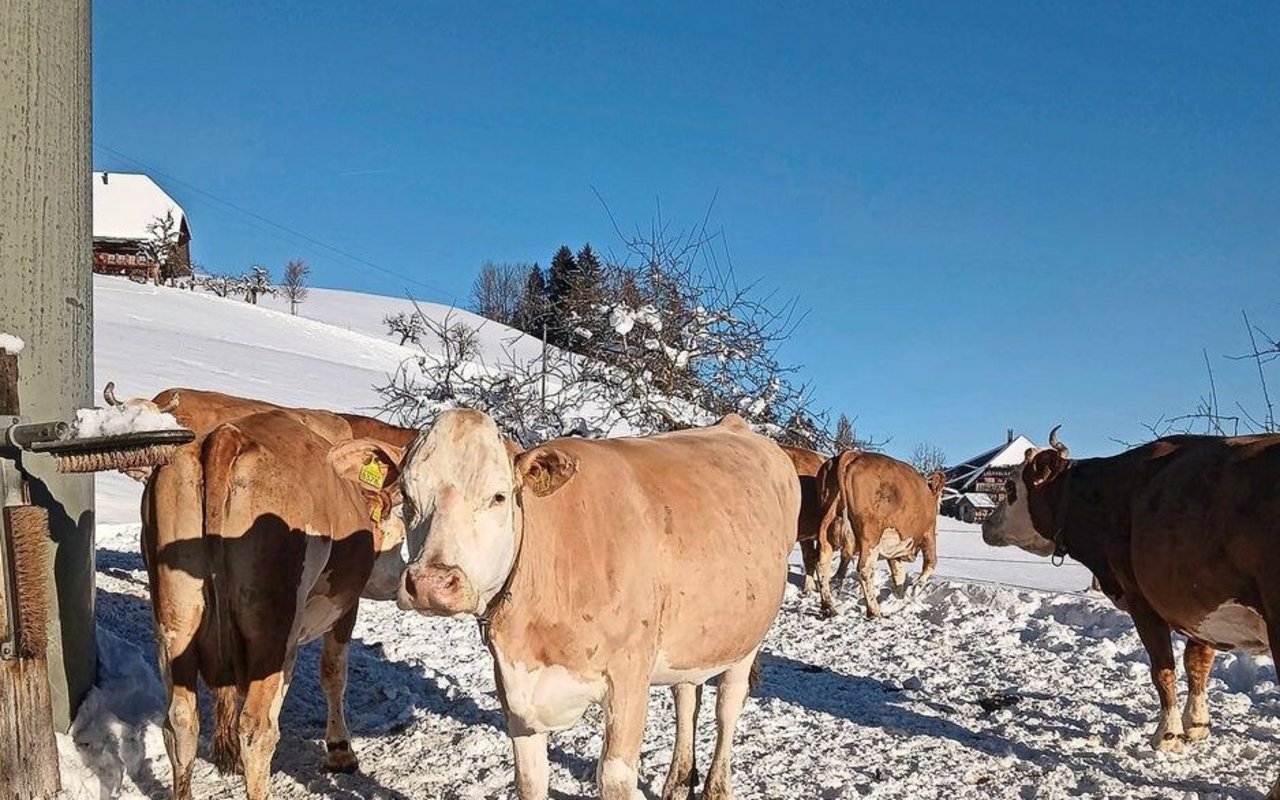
[(294, 286), (497, 291), (221, 284), (1210, 416), (408, 326), (163, 249), (255, 283), (928, 458)]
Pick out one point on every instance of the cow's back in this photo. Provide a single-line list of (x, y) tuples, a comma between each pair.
[(886, 493), (681, 539), (1203, 523)]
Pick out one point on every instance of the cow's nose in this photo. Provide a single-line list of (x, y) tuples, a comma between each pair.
[(439, 590)]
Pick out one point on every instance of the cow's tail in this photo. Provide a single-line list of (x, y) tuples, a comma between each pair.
[(756, 675), (831, 482), (221, 449)]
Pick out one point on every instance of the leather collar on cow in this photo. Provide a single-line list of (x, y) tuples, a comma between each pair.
[(1060, 517)]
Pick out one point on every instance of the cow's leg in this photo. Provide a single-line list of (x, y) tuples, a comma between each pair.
[(929, 548), (682, 778), (867, 559), (339, 756), (809, 557), (898, 576), (1155, 636), (829, 607), (731, 693), (260, 728), (182, 723), (179, 607), (618, 771), (533, 775), (1198, 660), (842, 571)]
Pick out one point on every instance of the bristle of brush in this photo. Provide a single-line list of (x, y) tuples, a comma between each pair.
[(28, 528), (155, 455)]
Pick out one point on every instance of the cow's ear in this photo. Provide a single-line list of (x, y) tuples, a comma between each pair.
[(1044, 466), (372, 464), (543, 470)]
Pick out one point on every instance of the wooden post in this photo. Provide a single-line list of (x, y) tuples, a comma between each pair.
[(46, 295), (28, 752)]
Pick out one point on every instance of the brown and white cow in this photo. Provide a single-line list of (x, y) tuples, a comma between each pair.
[(258, 537), (600, 568), (807, 463), (892, 513), (1182, 533)]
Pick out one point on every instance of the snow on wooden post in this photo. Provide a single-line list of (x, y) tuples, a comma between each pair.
[(46, 295)]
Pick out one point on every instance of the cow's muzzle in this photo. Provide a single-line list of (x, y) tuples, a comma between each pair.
[(437, 590)]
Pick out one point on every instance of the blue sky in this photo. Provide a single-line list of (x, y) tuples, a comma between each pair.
[(1001, 215)]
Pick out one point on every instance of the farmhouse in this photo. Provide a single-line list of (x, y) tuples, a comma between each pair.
[(976, 486), (126, 209)]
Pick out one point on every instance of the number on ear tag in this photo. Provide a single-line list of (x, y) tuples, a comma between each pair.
[(373, 474)]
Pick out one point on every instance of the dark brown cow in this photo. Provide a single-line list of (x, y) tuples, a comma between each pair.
[(807, 464), (1183, 533), (892, 514)]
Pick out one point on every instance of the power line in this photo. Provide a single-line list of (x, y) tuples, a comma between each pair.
[(279, 226)]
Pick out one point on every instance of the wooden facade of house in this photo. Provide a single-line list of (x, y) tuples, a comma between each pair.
[(125, 206)]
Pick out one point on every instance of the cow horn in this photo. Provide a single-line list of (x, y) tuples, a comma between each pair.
[(109, 394), (172, 405), (1057, 445)]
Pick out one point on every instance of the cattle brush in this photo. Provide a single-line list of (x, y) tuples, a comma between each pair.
[(123, 452), (25, 569)]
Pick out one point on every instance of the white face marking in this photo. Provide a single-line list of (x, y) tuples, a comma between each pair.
[(459, 482), (1234, 626), (665, 675), (1010, 524), (544, 698)]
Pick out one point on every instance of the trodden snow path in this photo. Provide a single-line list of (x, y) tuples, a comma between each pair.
[(847, 708)]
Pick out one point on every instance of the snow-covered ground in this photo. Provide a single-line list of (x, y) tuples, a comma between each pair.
[(848, 708)]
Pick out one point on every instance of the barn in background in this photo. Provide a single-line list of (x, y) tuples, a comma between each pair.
[(129, 212), (976, 486)]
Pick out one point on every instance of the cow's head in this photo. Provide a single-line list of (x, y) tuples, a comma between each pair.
[(140, 474), (373, 466), (464, 487), (1024, 519)]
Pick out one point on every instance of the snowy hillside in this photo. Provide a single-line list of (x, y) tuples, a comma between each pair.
[(848, 708)]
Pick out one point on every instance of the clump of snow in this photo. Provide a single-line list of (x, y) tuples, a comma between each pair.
[(11, 344), (120, 420)]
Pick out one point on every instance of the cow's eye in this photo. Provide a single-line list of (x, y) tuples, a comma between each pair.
[(498, 499), (1010, 492)]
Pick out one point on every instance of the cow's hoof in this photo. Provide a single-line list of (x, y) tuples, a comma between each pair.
[(1167, 743), (1196, 731), (340, 758), (828, 612), (874, 613)]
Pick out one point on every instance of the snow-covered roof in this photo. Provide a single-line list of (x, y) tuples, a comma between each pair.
[(1009, 454), (124, 204), (980, 500)]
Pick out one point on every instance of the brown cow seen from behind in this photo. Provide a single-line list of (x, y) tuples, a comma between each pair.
[(1183, 533), (892, 513)]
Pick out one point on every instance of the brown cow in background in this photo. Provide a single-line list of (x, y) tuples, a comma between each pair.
[(807, 464), (892, 513)]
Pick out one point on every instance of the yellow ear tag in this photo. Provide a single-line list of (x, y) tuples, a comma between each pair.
[(375, 510), (373, 475)]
